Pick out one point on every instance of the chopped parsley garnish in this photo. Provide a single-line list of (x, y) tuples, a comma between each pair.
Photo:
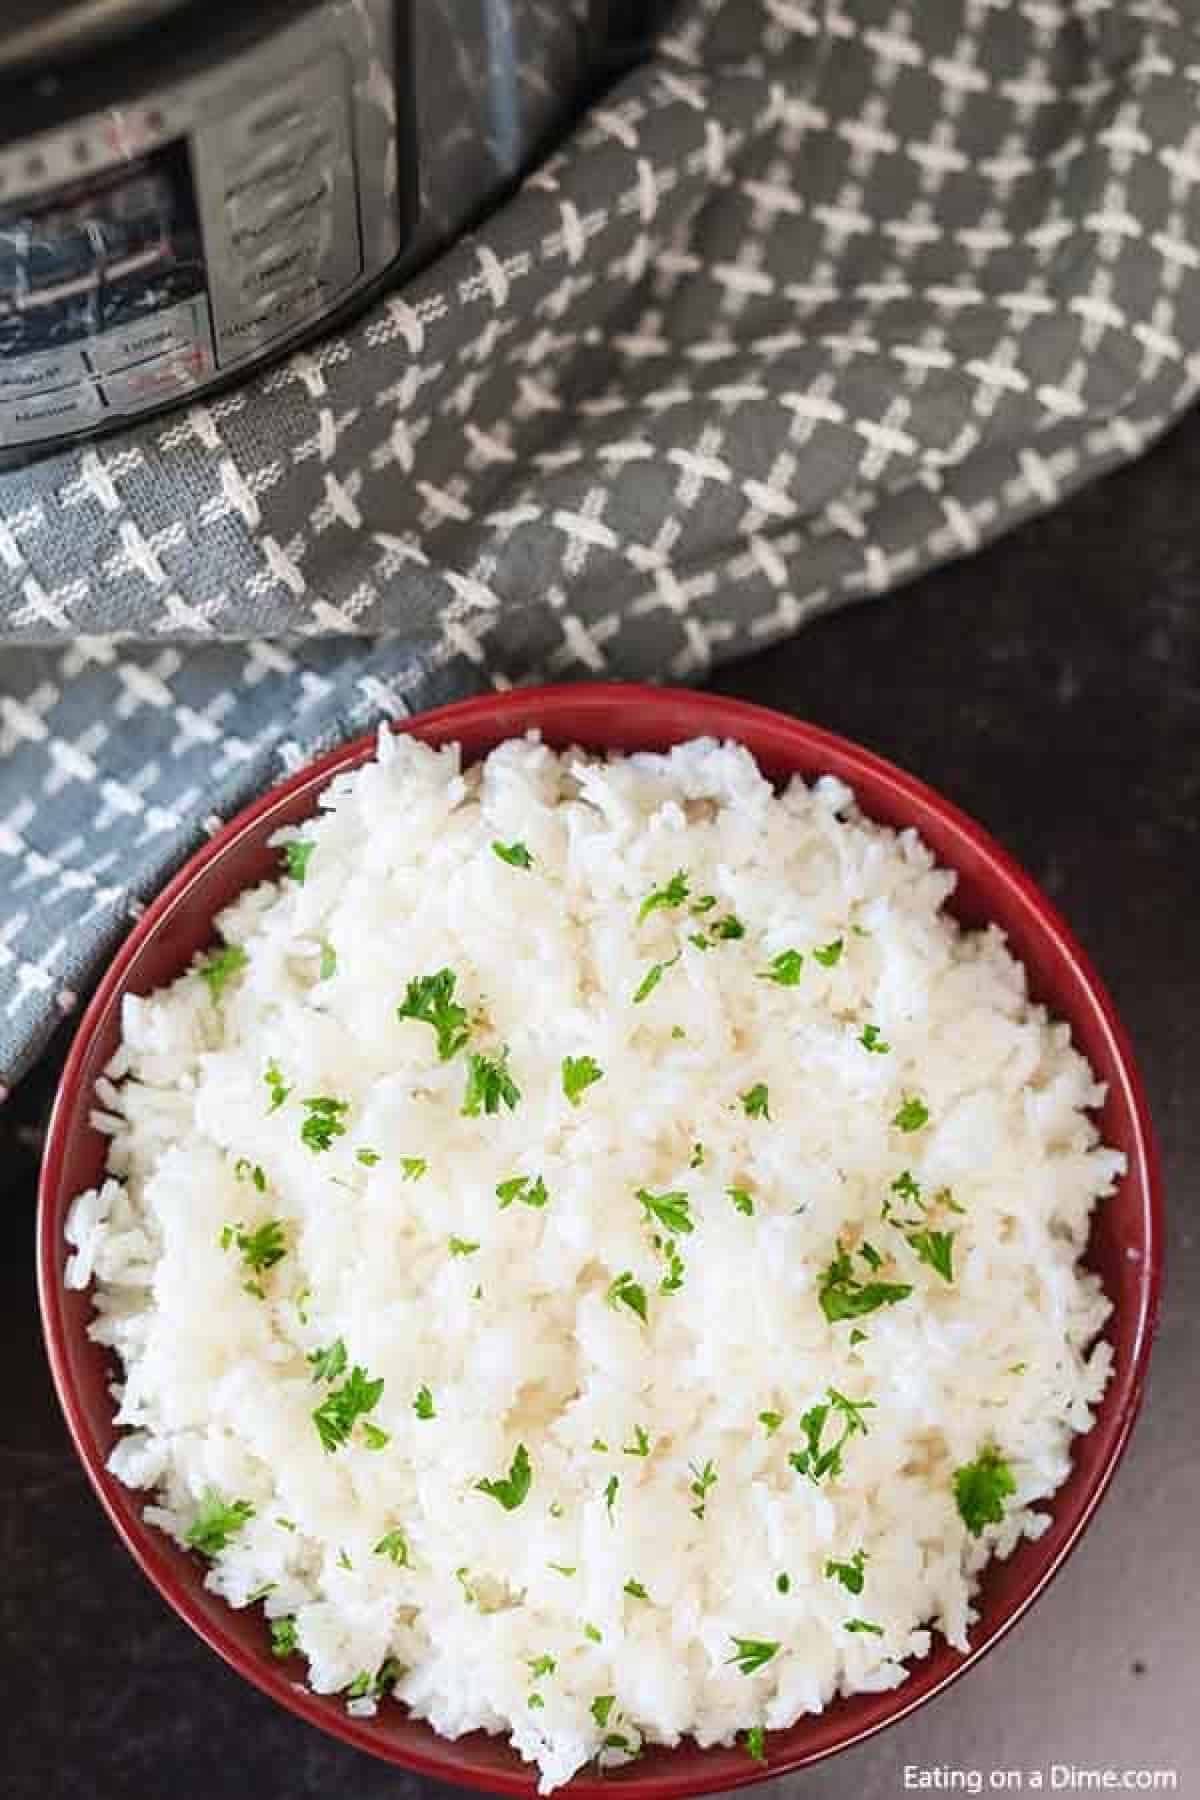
[(335, 1417), (344, 1561), (696, 1159), (815, 1460), (394, 1545), (599, 1445), (324, 1121), (276, 1085), (673, 894), (535, 1701), (670, 1209), (905, 1188), (700, 941), (755, 1742), (678, 1032), (850, 1574), (374, 1437), (783, 1583), (635, 1590), (870, 1255), (843, 1296), (530, 1190), (217, 970), (857, 1337), (610, 1494), (285, 1639), (368, 1158), (602, 1705), (578, 1073), (593, 1636), (541, 1665), (935, 1248), (741, 1200), (489, 1085), (864, 1625), (911, 1115), (511, 1489), (625, 1291), (286, 1524), (242, 1169), (562, 1568), (829, 954), (870, 1039), (652, 977), (328, 961), (1017, 1368), (430, 1000), (413, 1166), (327, 1365), (462, 1247), (981, 1488), (216, 1522), (756, 1102), (704, 1479), (295, 857), (261, 1249), (785, 969), (423, 1404), (770, 1422), (728, 928), (751, 1654), (641, 1443), (515, 855), (672, 1281)]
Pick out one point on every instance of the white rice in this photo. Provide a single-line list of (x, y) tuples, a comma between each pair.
[(515, 1340)]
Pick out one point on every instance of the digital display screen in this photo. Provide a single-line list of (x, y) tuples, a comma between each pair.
[(103, 253)]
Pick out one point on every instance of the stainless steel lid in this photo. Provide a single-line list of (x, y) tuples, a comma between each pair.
[(38, 35)]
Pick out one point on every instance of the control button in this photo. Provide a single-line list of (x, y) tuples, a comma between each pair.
[(163, 378), (174, 329), (23, 375), (282, 165), (49, 415)]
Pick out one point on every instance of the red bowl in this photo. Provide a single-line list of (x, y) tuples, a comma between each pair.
[(1125, 1249)]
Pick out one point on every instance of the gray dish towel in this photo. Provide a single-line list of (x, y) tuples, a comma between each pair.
[(809, 304)]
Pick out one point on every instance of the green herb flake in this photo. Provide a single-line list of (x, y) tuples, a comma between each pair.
[(429, 999), (328, 961), (515, 855), (981, 1488), (567, 1569), (770, 1422), (276, 1086), (344, 1561), (261, 1248), (756, 1102), (625, 1291), (219, 969), (394, 1545), (818, 1459), (785, 969), (870, 1039), (935, 1248), (327, 1365), (602, 1705), (531, 1190), (216, 1522), (1017, 1368), (673, 894), (489, 1085), (783, 1583), (653, 976), (635, 1590), (728, 929), (678, 1033), (829, 955), (578, 1073), (599, 1446), (870, 1255), (374, 1437), (751, 1654), (911, 1115), (285, 1638), (325, 1122), (610, 1494), (423, 1404), (244, 1170), (754, 1743), (368, 1158), (850, 1574), (296, 854), (592, 1635), (286, 1524), (640, 1445), (336, 1415), (541, 1665), (413, 1167), (843, 1296), (696, 1159), (742, 1200), (462, 1247), (858, 1337), (536, 1702), (512, 1489), (671, 1210), (672, 1280), (703, 1480), (863, 1625)]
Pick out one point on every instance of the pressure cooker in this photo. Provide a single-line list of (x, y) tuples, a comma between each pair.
[(190, 187)]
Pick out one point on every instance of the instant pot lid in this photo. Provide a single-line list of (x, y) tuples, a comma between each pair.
[(39, 35)]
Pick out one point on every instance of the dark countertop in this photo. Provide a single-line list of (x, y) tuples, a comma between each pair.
[(1051, 686)]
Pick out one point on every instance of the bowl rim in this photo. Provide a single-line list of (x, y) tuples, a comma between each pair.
[(559, 706)]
